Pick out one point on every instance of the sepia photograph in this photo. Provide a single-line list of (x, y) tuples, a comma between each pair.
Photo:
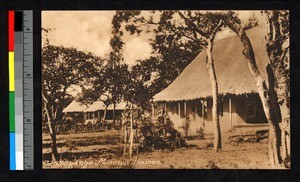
[(166, 89)]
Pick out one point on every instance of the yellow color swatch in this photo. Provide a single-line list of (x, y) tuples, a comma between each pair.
[(11, 68)]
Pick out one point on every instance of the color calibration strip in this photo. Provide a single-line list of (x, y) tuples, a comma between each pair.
[(11, 62), (21, 89)]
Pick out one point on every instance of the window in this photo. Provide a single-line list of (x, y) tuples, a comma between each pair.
[(251, 109), (220, 107), (172, 107)]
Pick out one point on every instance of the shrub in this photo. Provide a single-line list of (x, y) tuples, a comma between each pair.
[(200, 133), (186, 126), (159, 134)]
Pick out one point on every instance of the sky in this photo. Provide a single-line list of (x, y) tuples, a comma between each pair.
[(91, 31)]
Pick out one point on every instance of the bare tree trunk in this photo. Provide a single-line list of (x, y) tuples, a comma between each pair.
[(152, 111), (131, 134), (282, 110), (105, 112), (214, 86), (280, 91), (274, 131), (52, 131), (125, 139), (104, 116), (272, 93), (277, 114), (278, 53), (114, 118), (203, 114), (137, 141), (285, 132), (52, 119)]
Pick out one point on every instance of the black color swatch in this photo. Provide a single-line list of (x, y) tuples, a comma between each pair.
[(18, 21)]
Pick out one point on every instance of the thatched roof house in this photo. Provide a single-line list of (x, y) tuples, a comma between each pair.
[(189, 95)]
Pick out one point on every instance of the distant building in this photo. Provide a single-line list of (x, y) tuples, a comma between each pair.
[(93, 113), (97, 111)]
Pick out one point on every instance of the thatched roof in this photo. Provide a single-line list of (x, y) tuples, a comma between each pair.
[(99, 105), (119, 106), (231, 68), (75, 106)]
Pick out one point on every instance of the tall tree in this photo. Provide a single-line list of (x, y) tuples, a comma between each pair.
[(278, 48), (115, 68), (111, 78), (204, 27), (233, 22), (115, 76), (61, 68)]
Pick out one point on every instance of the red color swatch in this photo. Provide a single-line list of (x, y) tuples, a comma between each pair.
[(11, 27)]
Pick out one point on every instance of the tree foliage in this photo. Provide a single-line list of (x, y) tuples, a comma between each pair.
[(172, 51), (61, 68)]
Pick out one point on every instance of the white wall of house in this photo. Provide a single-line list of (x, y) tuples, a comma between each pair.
[(236, 111), (193, 110)]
